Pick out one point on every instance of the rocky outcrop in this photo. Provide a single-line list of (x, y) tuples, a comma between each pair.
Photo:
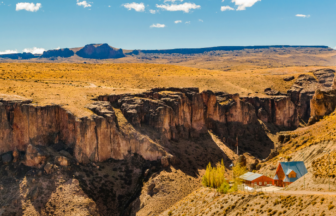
[(63, 53), (304, 89), (323, 103), (94, 138), (168, 113), (100, 51), (35, 157)]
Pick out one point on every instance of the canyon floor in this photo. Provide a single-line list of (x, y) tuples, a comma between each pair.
[(134, 186)]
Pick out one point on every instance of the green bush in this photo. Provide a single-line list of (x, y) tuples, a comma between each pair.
[(224, 188)]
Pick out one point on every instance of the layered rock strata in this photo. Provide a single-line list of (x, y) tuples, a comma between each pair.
[(94, 138), (113, 129)]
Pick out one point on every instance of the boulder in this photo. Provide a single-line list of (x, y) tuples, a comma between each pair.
[(169, 160), (7, 158), (35, 157), (62, 161), (48, 168), (289, 78), (16, 155), (270, 91)]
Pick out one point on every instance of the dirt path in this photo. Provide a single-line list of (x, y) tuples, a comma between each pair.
[(305, 192)]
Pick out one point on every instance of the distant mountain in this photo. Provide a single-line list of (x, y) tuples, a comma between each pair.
[(219, 48), (19, 56), (104, 51), (64, 53)]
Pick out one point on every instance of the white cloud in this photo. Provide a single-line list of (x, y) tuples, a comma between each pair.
[(172, 1), (243, 4), (8, 52), (200, 20), (152, 11), (34, 50), (302, 15), (186, 7), (188, 22), (158, 25), (28, 6), (225, 8), (85, 4), (178, 21), (136, 6)]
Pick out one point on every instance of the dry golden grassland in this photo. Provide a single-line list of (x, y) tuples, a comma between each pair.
[(206, 201), (73, 85)]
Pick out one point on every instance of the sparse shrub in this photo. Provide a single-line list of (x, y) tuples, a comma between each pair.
[(170, 213), (330, 206)]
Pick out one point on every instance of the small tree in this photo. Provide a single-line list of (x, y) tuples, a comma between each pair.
[(237, 170), (214, 177)]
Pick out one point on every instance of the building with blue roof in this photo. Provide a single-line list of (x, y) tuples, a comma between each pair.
[(289, 172)]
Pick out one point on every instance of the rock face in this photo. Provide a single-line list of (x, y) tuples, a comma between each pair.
[(35, 157), (170, 113), (102, 51), (304, 89), (323, 103), (64, 53)]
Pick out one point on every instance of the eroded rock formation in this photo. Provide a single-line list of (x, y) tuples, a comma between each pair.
[(100, 51), (114, 128)]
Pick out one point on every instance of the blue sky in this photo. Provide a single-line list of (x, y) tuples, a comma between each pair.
[(162, 24)]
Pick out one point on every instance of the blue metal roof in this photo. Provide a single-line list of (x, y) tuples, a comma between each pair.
[(276, 177), (250, 176), (297, 166)]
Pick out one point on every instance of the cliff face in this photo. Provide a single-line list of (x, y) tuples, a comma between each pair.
[(116, 127), (303, 90), (93, 139), (103, 51)]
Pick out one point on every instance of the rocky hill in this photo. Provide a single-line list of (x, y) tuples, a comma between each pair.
[(63, 53), (102, 51)]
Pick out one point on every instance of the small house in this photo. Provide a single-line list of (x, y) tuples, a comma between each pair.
[(289, 172), (255, 179)]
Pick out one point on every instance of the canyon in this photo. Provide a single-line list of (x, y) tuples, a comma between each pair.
[(173, 113)]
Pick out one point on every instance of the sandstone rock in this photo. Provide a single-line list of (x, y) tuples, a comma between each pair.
[(35, 157), (151, 187), (325, 78), (289, 78), (270, 91), (283, 138), (62, 161), (16, 155), (7, 158), (146, 172), (165, 161), (169, 160), (323, 103), (263, 115)]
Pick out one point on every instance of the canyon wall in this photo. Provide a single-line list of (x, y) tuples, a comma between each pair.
[(113, 130), (94, 138)]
